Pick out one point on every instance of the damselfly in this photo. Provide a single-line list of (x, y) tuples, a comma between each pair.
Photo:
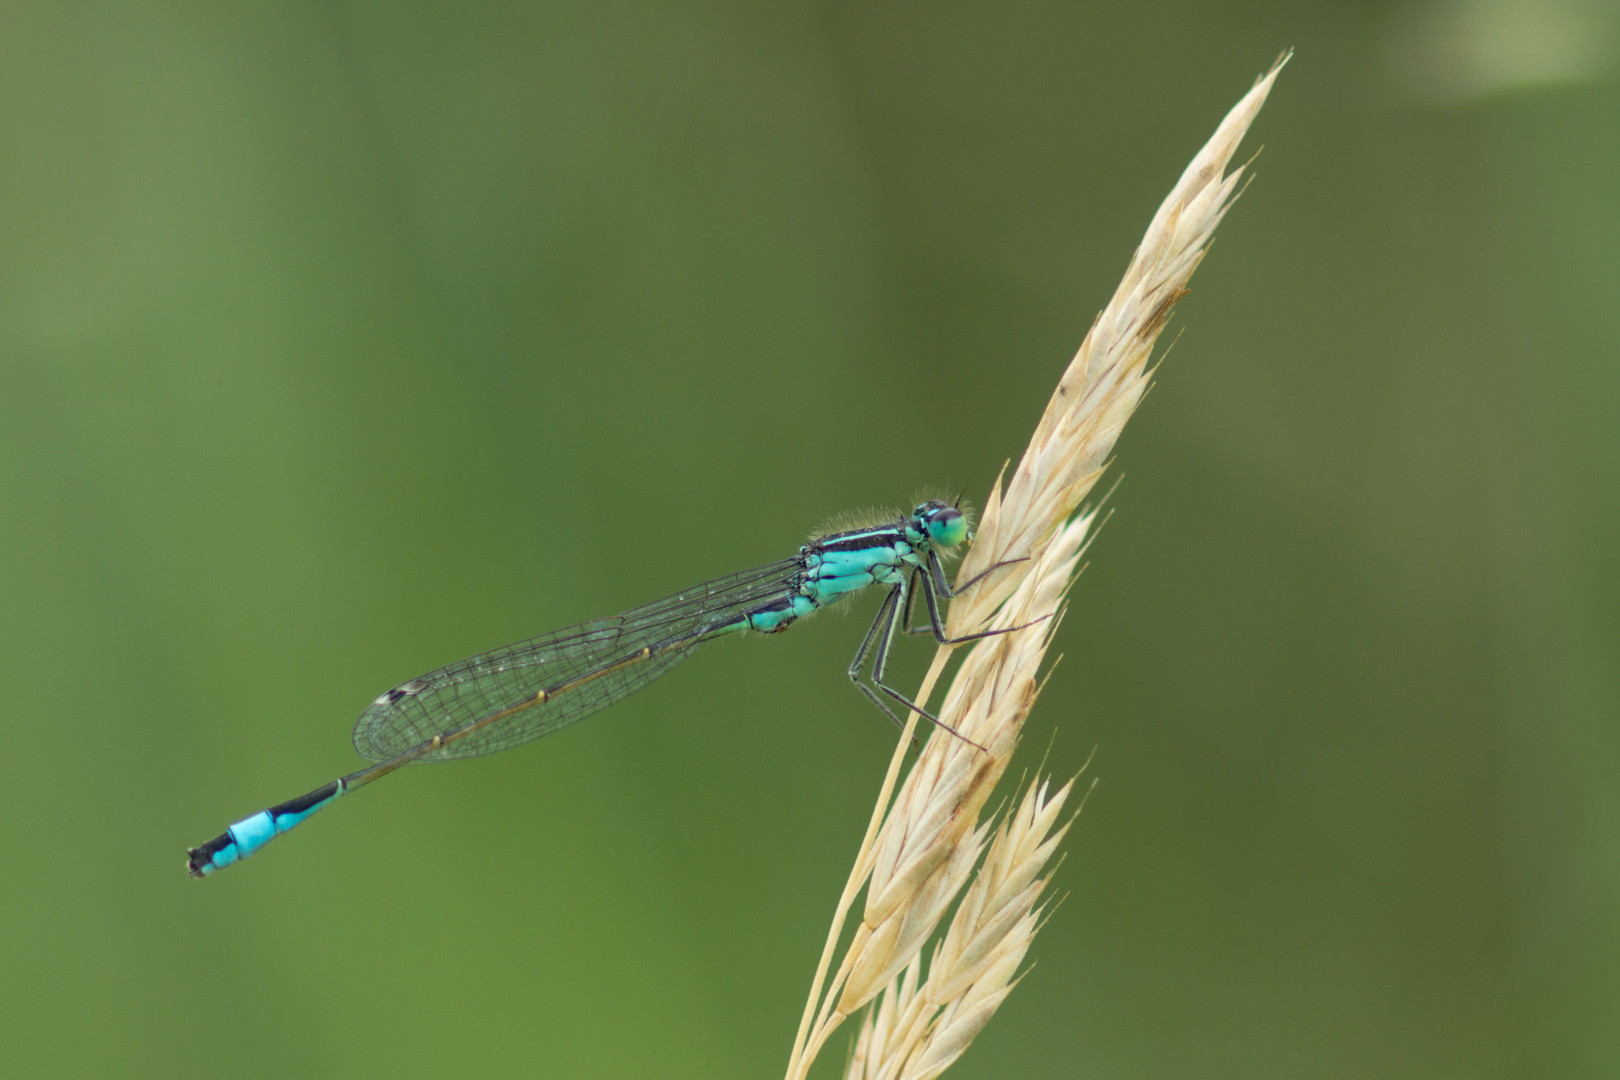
[(499, 699)]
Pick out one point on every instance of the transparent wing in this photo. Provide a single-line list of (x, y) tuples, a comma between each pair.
[(480, 686)]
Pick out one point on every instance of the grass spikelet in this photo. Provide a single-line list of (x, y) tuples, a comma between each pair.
[(919, 854), (918, 1031), (1105, 381)]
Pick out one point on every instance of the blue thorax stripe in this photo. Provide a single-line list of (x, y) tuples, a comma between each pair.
[(861, 541)]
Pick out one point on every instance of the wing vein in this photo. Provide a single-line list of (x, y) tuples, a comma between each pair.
[(487, 684)]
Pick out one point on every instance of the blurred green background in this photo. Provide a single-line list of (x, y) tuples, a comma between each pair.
[(340, 340)]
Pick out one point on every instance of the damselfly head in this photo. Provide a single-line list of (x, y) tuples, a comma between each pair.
[(945, 525)]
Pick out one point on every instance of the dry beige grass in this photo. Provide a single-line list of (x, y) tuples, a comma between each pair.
[(919, 1031), (919, 856)]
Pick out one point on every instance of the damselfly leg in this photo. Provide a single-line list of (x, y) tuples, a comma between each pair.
[(895, 614)]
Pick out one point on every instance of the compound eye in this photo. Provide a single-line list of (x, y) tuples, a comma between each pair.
[(946, 526)]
